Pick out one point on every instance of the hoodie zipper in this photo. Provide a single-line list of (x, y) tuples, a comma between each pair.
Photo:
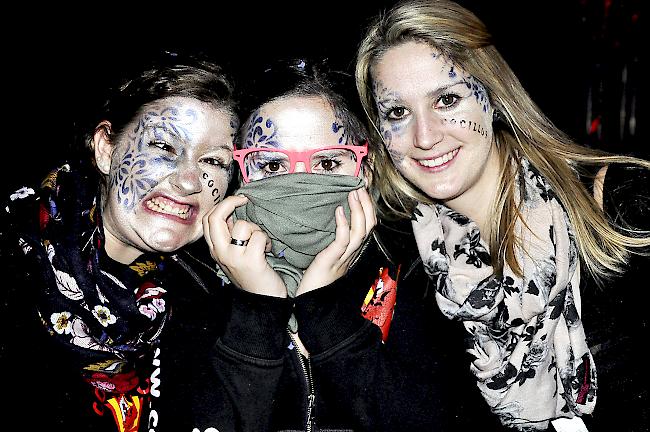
[(305, 365)]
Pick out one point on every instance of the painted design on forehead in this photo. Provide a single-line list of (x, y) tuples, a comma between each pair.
[(468, 125), (261, 132), (338, 127), (141, 168), (234, 125), (452, 73), (480, 93), (168, 121)]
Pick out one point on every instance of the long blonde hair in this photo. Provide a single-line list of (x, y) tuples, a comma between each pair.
[(460, 36)]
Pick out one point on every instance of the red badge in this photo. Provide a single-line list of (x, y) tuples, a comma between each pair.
[(379, 304)]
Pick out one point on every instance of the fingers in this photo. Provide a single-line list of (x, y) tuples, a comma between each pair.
[(216, 228), (362, 215), (357, 219), (368, 209)]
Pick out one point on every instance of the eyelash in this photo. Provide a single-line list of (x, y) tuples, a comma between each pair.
[(162, 145), (219, 162), (261, 166), (387, 115)]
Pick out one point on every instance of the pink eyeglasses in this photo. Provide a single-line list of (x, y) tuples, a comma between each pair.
[(258, 163)]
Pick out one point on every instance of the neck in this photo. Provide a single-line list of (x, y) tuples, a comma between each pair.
[(476, 202), (118, 250)]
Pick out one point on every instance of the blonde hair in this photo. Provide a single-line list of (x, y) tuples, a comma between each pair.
[(463, 39)]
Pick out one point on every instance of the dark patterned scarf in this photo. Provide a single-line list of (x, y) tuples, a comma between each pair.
[(107, 315), (532, 361)]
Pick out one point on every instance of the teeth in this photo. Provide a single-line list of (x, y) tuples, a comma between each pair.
[(430, 163), (161, 206)]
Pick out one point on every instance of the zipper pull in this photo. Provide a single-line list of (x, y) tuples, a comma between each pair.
[(310, 408)]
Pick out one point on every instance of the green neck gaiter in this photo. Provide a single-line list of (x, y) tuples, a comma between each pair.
[(297, 213)]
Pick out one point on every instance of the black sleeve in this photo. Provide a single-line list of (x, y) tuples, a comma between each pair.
[(232, 382)]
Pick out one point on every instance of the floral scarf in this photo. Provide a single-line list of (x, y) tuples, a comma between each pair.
[(108, 315), (531, 358)]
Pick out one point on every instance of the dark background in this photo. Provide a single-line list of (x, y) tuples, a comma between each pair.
[(579, 60)]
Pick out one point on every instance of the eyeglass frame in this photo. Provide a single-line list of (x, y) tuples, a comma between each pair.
[(360, 151)]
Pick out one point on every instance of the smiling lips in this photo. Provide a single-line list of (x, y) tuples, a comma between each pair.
[(433, 163), (164, 205)]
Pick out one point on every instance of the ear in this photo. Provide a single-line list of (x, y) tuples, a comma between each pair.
[(103, 147)]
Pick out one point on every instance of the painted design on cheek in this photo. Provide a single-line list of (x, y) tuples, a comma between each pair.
[(142, 166), (214, 191), (131, 176), (261, 133), (468, 125), (479, 92), (396, 157), (386, 134)]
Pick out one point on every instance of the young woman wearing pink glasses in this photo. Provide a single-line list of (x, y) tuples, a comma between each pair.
[(302, 227)]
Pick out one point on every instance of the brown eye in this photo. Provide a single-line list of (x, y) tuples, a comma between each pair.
[(447, 100), (396, 113)]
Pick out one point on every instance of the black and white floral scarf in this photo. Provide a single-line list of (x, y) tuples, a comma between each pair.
[(107, 315), (531, 358)]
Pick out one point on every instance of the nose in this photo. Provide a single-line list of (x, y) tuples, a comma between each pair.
[(187, 180), (429, 131)]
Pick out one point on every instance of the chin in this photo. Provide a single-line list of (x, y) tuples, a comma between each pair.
[(442, 193), (168, 241)]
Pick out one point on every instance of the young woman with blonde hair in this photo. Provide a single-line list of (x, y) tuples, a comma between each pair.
[(507, 211)]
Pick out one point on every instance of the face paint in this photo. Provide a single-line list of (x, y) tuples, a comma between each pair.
[(297, 124), (167, 171), (436, 122)]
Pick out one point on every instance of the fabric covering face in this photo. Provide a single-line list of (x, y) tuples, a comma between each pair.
[(532, 360), (297, 213)]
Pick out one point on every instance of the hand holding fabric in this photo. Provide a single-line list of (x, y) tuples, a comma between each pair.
[(245, 265), (296, 211), (334, 261)]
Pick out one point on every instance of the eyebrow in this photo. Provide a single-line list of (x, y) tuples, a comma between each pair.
[(431, 94), (227, 147), (443, 89)]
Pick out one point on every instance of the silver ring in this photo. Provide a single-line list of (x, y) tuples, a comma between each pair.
[(237, 242)]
